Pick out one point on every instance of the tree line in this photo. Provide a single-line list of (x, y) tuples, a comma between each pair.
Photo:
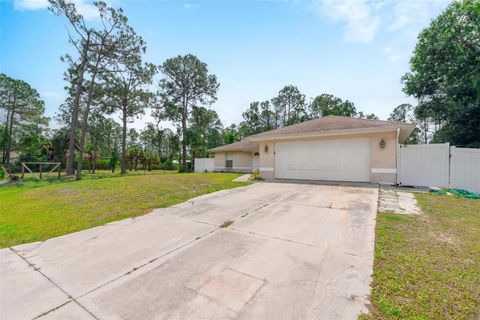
[(290, 106), (107, 77)]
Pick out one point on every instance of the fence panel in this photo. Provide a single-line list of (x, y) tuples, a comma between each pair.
[(204, 164), (465, 169), (424, 165)]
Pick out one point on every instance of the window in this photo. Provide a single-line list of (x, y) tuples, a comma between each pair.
[(229, 160)]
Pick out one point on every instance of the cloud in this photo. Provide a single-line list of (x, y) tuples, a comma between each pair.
[(393, 25), (404, 21), (360, 18), (30, 4), (87, 10), (190, 6)]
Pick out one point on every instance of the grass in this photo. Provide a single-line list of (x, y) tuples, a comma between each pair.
[(225, 224), (38, 211), (428, 266)]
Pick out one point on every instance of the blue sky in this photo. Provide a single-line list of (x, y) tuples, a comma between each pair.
[(356, 50)]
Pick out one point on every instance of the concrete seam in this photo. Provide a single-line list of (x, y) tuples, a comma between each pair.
[(69, 296), (276, 200), (325, 207), (189, 242), (150, 262), (281, 197), (275, 238)]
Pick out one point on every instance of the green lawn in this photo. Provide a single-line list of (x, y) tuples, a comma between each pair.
[(42, 210), (428, 266)]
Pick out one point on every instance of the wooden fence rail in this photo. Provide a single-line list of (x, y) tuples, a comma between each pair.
[(41, 164)]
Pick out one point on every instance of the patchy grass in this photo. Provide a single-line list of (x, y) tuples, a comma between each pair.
[(428, 266), (41, 210), (225, 224)]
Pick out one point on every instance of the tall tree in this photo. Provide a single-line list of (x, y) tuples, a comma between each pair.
[(81, 39), (252, 122), (370, 116), (327, 105), (94, 44), (267, 116), (23, 107), (402, 113), (205, 131), (115, 40), (257, 118), (405, 113), (231, 134), (186, 84), (445, 74), (127, 91), (290, 106)]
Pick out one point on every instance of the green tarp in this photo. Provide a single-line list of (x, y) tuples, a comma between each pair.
[(458, 193)]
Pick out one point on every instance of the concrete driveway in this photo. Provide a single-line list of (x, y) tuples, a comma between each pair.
[(294, 251)]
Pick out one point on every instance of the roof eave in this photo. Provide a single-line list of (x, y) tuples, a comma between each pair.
[(236, 150), (330, 133)]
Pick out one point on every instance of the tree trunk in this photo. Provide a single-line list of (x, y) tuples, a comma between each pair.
[(10, 130), (85, 120), (114, 157), (95, 146), (184, 140), (76, 107), (4, 150), (124, 138)]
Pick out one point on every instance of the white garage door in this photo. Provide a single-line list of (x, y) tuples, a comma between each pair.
[(340, 160)]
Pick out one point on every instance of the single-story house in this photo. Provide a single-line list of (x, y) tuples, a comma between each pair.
[(240, 156), (330, 148)]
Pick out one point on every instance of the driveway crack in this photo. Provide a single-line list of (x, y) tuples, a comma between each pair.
[(69, 296)]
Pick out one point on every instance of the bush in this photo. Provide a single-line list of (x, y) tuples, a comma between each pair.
[(100, 164), (255, 176)]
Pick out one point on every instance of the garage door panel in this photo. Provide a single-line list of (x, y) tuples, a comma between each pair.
[(347, 160)]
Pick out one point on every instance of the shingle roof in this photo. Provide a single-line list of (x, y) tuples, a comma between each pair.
[(244, 145), (330, 123)]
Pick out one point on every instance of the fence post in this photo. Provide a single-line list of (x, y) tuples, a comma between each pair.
[(451, 153), (23, 170), (40, 172)]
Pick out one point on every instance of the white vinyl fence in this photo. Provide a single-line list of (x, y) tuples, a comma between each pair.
[(465, 169), (425, 165), (204, 164), (439, 165)]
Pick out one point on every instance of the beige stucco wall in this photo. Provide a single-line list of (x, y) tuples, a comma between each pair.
[(242, 161), (386, 157), (219, 160), (382, 159), (267, 159)]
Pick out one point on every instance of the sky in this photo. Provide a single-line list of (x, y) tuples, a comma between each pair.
[(356, 50)]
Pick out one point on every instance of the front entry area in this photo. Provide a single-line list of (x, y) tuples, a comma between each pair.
[(337, 160)]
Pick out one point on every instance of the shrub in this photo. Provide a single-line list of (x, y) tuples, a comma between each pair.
[(256, 176)]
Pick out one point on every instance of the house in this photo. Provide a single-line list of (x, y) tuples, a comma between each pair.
[(329, 148), (240, 156)]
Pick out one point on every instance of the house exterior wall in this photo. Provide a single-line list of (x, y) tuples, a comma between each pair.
[(267, 159), (219, 161), (242, 161), (383, 161)]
